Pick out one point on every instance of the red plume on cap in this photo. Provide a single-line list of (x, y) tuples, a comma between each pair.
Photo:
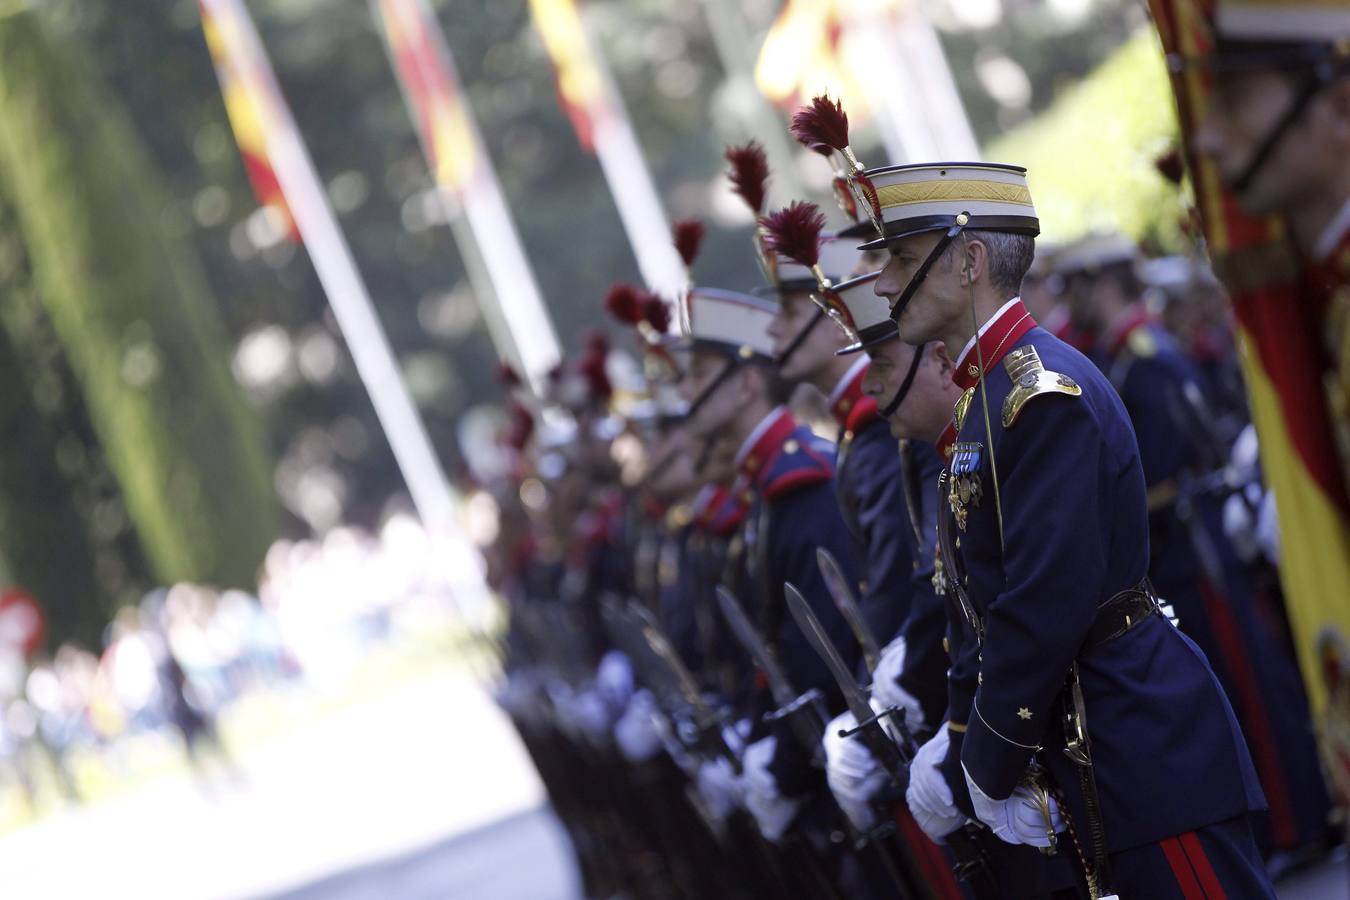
[(688, 237), (624, 304), (592, 368), (521, 428), (794, 232), (596, 343), (749, 174), (507, 376), (656, 313), (823, 123)]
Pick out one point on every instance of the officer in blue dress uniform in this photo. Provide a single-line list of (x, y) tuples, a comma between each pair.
[(866, 466), (1193, 564), (914, 390), (1095, 724), (784, 470)]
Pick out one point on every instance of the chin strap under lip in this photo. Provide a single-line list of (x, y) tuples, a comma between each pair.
[(905, 385), (706, 394), (796, 344), (933, 256)]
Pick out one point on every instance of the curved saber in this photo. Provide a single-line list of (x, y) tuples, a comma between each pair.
[(837, 584)]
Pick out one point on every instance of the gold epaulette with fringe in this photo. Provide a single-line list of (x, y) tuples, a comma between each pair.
[(1031, 379)]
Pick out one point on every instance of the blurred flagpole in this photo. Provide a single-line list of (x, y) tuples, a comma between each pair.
[(597, 112), (243, 68), (468, 188), (920, 113), (736, 49)]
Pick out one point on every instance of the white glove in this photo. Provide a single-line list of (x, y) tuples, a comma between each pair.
[(853, 773), (772, 811), (721, 790), (1017, 820), (591, 716), (928, 795), (635, 733), (886, 690), (614, 680)]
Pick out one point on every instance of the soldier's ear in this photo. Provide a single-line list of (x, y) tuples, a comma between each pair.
[(939, 351)]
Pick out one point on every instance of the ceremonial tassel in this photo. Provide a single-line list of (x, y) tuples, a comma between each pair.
[(750, 180), (749, 175), (623, 303), (794, 232), (521, 429), (688, 238), (655, 314), (824, 123)]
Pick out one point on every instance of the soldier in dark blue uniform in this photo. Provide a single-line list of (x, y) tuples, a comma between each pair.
[(914, 389), (1193, 565), (783, 469), (1093, 717), (786, 472)]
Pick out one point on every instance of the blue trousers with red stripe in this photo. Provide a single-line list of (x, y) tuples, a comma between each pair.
[(1217, 862)]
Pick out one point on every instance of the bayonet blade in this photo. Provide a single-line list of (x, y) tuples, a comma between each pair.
[(661, 648), (837, 584), (816, 636), (754, 644), (868, 725)]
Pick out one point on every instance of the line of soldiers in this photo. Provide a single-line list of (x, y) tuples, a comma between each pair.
[(996, 639)]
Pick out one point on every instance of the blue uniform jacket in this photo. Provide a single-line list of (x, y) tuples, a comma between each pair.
[(871, 498), (1168, 754), (794, 511)]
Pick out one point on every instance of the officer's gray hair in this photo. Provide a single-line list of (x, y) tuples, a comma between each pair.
[(1010, 257)]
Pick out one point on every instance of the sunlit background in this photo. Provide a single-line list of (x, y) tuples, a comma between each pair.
[(198, 468)]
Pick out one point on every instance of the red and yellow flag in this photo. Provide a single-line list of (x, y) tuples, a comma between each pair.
[(1280, 324), (803, 55), (581, 85), (246, 91), (432, 91)]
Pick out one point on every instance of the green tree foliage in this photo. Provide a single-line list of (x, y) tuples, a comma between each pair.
[(1090, 170), (132, 316)]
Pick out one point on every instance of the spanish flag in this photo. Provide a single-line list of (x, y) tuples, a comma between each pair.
[(802, 56), (1280, 325), (247, 93), (432, 91), (581, 85)]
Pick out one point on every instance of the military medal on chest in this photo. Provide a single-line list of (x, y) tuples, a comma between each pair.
[(965, 489)]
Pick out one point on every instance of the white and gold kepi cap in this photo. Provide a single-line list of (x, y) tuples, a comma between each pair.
[(854, 306), (727, 322), (838, 257), (931, 196), (1271, 21)]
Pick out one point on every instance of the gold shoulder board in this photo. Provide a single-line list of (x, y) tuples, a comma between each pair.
[(1031, 379)]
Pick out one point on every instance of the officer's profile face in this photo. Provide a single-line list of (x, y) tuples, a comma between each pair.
[(927, 407), (890, 361), (928, 312), (669, 473), (704, 368), (797, 311), (870, 261), (1245, 107)]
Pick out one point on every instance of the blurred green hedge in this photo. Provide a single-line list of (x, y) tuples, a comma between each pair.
[(1091, 156), (119, 291)]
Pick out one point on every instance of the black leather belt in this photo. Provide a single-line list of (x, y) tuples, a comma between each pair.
[(1121, 613)]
